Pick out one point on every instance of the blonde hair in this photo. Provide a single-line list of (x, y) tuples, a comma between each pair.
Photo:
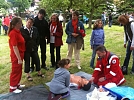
[(96, 23), (13, 23), (54, 14)]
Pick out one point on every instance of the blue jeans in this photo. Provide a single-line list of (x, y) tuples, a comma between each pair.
[(93, 56), (103, 21), (127, 58)]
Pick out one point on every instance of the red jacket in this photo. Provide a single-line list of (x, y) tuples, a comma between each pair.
[(111, 71), (6, 21), (58, 35)]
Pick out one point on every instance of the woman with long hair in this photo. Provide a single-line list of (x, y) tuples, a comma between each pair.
[(17, 48), (56, 33)]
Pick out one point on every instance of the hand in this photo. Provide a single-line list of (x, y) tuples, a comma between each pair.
[(51, 34), (20, 61), (75, 34), (124, 45), (91, 79), (102, 79), (131, 48)]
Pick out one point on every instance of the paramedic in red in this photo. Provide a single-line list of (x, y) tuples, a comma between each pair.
[(17, 48), (107, 68)]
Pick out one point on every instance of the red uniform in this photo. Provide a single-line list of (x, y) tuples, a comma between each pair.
[(16, 39), (110, 69)]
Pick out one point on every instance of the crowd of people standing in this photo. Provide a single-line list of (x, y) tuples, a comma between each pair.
[(24, 42)]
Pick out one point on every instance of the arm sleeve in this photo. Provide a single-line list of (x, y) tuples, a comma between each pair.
[(103, 37), (13, 39), (97, 69), (67, 82), (125, 41), (59, 31), (48, 30), (114, 68), (132, 29), (67, 30), (91, 39)]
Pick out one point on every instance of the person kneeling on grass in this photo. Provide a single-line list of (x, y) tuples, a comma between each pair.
[(61, 80), (107, 68), (80, 82)]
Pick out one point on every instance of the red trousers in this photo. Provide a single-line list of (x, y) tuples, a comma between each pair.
[(15, 75), (96, 81), (103, 83)]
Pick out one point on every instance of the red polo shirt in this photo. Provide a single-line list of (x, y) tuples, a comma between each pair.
[(16, 39)]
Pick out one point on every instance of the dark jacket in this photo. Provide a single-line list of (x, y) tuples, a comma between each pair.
[(58, 35), (69, 30), (42, 26), (128, 30), (31, 43)]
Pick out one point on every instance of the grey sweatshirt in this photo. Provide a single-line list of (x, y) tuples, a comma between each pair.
[(60, 82)]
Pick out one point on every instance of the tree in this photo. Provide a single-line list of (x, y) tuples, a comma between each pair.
[(20, 5), (52, 6), (4, 6), (89, 7), (125, 6)]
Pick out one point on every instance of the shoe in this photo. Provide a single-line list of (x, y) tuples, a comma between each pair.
[(31, 70), (124, 70), (79, 67), (29, 78), (44, 67), (17, 91), (41, 75), (21, 86), (132, 73)]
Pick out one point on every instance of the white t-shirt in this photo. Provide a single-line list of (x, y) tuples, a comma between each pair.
[(52, 30)]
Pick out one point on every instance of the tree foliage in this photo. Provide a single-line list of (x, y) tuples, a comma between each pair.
[(4, 6), (92, 8), (125, 6), (20, 5), (87, 7)]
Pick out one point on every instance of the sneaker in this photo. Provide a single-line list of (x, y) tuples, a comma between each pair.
[(21, 86), (17, 91), (31, 70), (79, 67)]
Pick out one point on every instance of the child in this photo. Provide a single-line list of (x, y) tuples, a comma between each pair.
[(97, 38), (80, 81), (61, 80)]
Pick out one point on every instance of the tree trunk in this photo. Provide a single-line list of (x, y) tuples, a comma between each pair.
[(90, 18)]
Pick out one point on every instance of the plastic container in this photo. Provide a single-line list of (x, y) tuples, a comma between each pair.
[(119, 97), (111, 96)]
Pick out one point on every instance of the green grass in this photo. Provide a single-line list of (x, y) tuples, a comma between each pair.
[(113, 42)]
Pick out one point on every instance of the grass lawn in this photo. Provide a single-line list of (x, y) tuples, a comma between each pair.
[(113, 42)]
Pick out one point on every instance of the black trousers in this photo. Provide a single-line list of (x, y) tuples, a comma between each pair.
[(43, 51), (35, 60), (58, 57)]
